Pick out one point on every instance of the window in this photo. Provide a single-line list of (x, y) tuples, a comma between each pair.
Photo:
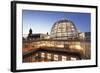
[(64, 58), (43, 55), (56, 57), (49, 56), (73, 58)]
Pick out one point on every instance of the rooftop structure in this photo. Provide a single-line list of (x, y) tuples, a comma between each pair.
[(64, 29)]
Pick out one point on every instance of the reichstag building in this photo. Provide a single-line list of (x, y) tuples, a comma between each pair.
[(64, 43)]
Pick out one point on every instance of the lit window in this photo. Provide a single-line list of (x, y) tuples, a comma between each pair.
[(73, 59), (64, 30), (64, 58), (58, 34), (49, 56), (55, 57), (43, 55)]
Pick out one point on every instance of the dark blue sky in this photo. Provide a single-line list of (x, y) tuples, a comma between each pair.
[(42, 21)]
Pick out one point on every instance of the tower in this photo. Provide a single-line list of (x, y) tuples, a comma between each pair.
[(30, 31), (30, 34)]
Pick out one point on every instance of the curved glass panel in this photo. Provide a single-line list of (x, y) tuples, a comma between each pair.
[(64, 29)]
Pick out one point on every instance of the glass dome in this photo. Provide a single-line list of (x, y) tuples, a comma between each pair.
[(64, 29)]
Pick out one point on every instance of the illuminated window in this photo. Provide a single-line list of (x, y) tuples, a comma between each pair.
[(49, 56), (73, 58), (56, 57), (43, 55), (64, 58), (64, 29)]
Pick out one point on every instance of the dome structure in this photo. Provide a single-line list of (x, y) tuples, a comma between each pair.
[(64, 29)]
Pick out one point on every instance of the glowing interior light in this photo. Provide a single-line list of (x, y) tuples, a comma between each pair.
[(42, 44), (78, 47), (73, 59), (49, 56), (43, 55), (60, 46), (64, 58), (55, 57)]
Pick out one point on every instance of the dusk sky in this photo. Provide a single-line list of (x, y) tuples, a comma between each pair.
[(42, 21)]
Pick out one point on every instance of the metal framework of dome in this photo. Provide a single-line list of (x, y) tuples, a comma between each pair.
[(64, 29)]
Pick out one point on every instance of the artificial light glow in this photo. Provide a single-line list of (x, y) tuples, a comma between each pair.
[(73, 59), (46, 45), (60, 46), (43, 44), (64, 58), (78, 47)]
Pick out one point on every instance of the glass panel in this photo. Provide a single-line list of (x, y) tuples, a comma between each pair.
[(64, 34), (58, 34)]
